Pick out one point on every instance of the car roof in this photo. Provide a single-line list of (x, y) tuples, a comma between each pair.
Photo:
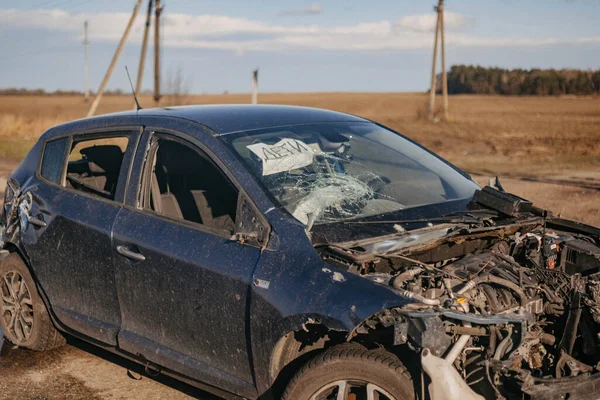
[(230, 118)]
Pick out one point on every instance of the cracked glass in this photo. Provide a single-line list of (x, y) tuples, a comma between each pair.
[(332, 172)]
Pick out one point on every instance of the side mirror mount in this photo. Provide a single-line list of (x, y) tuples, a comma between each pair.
[(251, 227)]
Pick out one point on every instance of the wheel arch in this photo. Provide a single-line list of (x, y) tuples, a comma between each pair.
[(297, 340), (306, 340), (14, 248)]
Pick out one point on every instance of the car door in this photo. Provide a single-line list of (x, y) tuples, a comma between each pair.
[(68, 240), (183, 283)]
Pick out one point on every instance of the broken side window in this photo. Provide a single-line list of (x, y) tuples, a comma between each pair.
[(53, 160), (182, 182), (94, 165)]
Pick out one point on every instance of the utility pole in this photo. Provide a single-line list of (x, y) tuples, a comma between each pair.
[(114, 60), (255, 86), (435, 46), (138, 86), (157, 11), (86, 43), (444, 73)]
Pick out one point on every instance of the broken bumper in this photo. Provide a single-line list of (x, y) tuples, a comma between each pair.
[(580, 387)]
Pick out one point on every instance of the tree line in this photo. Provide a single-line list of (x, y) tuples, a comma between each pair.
[(42, 92), (541, 82)]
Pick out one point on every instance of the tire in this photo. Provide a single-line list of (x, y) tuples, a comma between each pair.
[(32, 329), (355, 365)]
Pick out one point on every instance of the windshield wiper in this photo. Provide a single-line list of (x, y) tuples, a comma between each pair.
[(443, 219)]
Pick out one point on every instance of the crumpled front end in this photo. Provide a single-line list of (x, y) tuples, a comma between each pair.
[(505, 304)]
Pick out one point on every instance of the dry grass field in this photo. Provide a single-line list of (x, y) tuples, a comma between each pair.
[(486, 135), (514, 137)]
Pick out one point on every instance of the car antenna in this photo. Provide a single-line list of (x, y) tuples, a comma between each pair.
[(137, 103)]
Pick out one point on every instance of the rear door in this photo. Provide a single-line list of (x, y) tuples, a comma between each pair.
[(183, 283), (82, 187)]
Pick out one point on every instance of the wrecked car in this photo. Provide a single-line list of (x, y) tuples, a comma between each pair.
[(295, 253)]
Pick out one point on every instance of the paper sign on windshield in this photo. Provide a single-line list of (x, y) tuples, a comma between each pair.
[(285, 155)]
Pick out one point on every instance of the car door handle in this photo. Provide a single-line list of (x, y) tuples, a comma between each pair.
[(124, 251)]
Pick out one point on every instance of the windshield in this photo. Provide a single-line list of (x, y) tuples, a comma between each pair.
[(332, 172)]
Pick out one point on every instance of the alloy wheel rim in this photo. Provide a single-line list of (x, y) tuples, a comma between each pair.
[(17, 306), (351, 390)]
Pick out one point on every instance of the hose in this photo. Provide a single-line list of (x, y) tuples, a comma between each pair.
[(469, 285), (498, 281), (421, 299), (492, 344), (501, 350), (460, 344), (514, 287), (406, 275)]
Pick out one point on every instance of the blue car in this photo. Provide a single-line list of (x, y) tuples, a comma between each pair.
[(293, 253)]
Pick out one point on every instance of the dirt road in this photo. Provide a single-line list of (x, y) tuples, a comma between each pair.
[(81, 371)]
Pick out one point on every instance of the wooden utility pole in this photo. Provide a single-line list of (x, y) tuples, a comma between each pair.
[(439, 31), (96, 101), (138, 86), (433, 80), (255, 86), (86, 43), (157, 11), (444, 72)]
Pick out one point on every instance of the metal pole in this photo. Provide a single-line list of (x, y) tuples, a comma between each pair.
[(157, 12), (86, 42), (138, 86), (444, 72), (114, 60), (255, 87), (435, 46)]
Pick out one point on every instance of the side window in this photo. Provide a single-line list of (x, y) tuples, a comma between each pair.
[(54, 159), (182, 182), (94, 165)]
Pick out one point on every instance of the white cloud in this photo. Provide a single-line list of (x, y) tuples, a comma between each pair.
[(426, 22), (241, 35), (310, 10)]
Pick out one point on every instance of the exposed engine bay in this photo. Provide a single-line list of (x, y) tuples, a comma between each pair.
[(502, 302)]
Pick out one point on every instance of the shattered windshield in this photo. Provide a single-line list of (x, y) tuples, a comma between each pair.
[(332, 172)]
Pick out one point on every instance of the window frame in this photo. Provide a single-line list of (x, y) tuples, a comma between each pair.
[(132, 132), (144, 179)]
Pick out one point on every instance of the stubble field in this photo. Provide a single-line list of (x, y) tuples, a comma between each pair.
[(548, 138), (544, 149)]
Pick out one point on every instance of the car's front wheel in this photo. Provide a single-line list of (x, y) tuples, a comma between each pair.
[(352, 372), (23, 315)]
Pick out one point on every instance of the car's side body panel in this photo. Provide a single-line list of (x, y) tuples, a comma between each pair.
[(77, 273), (198, 324), (185, 305), (281, 287), (71, 252)]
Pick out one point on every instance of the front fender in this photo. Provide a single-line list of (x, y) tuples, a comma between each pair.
[(294, 287)]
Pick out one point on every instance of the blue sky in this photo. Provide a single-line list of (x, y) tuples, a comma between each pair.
[(327, 45)]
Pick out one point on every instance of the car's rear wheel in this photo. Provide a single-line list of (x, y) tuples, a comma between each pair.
[(352, 372), (23, 317)]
